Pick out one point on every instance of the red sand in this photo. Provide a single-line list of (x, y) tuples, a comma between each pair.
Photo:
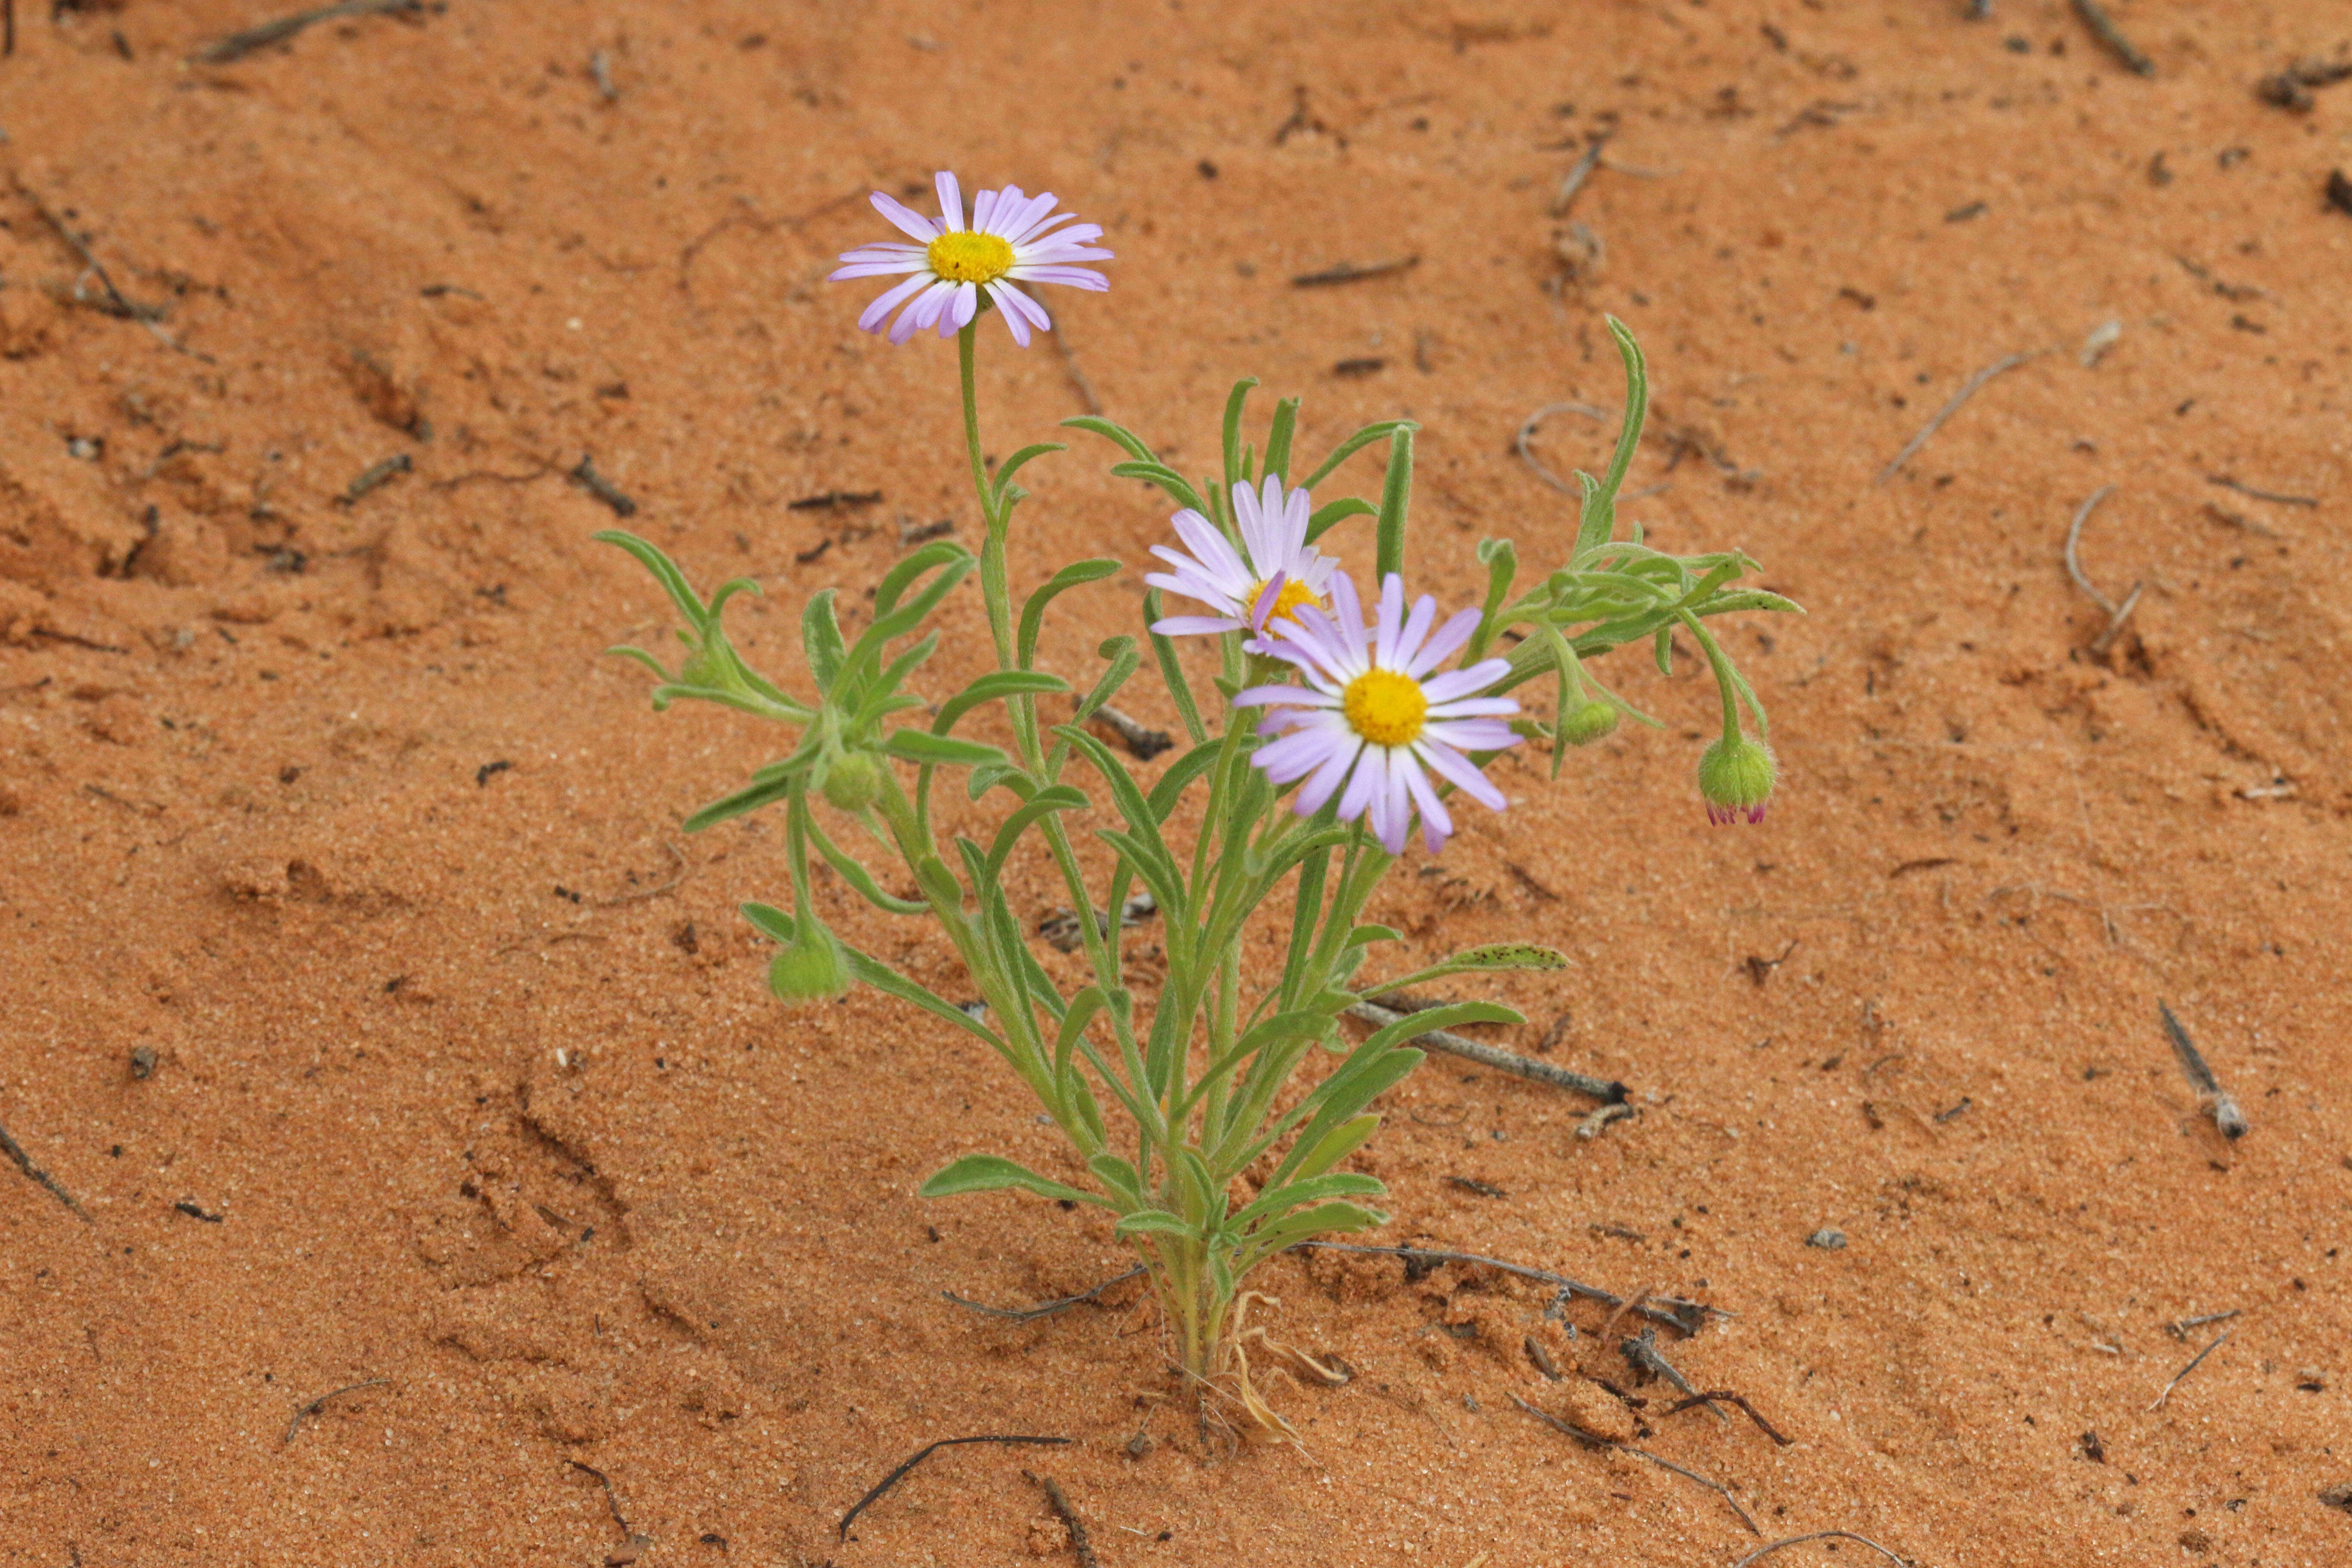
[(336, 809)]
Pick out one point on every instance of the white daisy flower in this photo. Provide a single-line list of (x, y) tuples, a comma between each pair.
[(1274, 558), (1373, 716), (1012, 238)]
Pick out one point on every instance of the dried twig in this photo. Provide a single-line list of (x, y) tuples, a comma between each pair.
[(117, 304), (2216, 1099), (1763, 1552), (1578, 173), (1348, 272), (2117, 614), (2009, 362), (2103, 27), (376, 475), (642, 894), (833, 500), (2179, 1331), (2194, 1362), (1493, 1057), (320, 1403), (1080, 1543), (1728, 1397), (1685, 1317), (1043, 1309), (1594, 1439), (2228, 483), (1528, 430), (16, 1151), (586, 477), (599, 71), (1142, 741), (237, 46), (1643, 1353), (895, 1477), (636, 1545)]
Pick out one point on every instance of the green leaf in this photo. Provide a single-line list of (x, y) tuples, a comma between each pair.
[(673, 581), (939, 751), (1180, 775), (1493, 958), (1113, 432), (1171, 671), (821, 640), (859, 877), (1080, 1013), (993, 686), (1363, 1078), (1277, 440), (1599, 517), (1120, 1177), (1053, 798), (1011, 465), (1033, 613), (1365, 935), (995, 1172), (1277, 1201), (1122, 661), (765, 793), (1154, 1222), (1352, 444), (1336, 1145), (1323, 1219), (1396, 495), (1129, 799), (1338, 511), (1167, 478), (1429, 1019), (1233, 445)]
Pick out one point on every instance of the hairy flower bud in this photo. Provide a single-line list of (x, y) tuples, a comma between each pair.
[(1735, 775), (813, 968), (853, 781), (1592, 722)]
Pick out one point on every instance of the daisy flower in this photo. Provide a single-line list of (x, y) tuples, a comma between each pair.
[(1373, 717), (1275, 557), (1012, 239)]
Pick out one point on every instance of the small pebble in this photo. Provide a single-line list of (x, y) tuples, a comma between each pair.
[(1827, 1240), (143, 1061)]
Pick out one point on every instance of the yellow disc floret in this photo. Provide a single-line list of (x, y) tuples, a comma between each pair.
[(1293, 593), (965, 256), (1385, 707)]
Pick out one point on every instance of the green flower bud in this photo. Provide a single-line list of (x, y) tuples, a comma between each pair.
[(1735, 775), (813, 968), (855, 780), (1592, 722)]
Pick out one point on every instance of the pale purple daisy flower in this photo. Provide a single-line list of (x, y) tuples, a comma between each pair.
[(1371, 705), (1274, 558), (1013, 237)]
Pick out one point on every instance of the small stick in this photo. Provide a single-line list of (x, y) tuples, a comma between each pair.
[(1593, 1126), (2218, 1103), (2116, 614), (2184, 1372), (116, 304), (2179, 1331), (1577, 175), (1685, 1317), (376, 475), (1763, 1552), (16, 1151), (600, 68), (833, 500), (1595, 1439), (895, 1477), (1142, 741), (1501, 1060), (586, 477), (1080, 1543), (1728, 1397), (2103, 27), (644, 894), (1043, 1309), (237, 46), (1348, 272), (2009, 361), (319, 1404), (2228, 483), (1528, 430), (1643, 1353)]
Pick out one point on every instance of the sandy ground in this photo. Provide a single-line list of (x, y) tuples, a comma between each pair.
[(460, 1082)]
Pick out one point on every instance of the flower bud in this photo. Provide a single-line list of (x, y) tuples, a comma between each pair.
[(1592, 722), (853, 781), (1735, 775), (813, 968)]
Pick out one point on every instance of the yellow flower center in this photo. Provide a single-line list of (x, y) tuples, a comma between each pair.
[(1385, 707), (1293, 593), (968, 257)]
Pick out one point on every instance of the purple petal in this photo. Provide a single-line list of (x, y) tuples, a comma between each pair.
[(1070, 276), (1456, 770), (1320, 786), (950, 201), (1258, 696), (910, 223), (1448, 639), (1416, 628), (883, 303), (1194, 626), (1392, 612), (1436, 825)]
